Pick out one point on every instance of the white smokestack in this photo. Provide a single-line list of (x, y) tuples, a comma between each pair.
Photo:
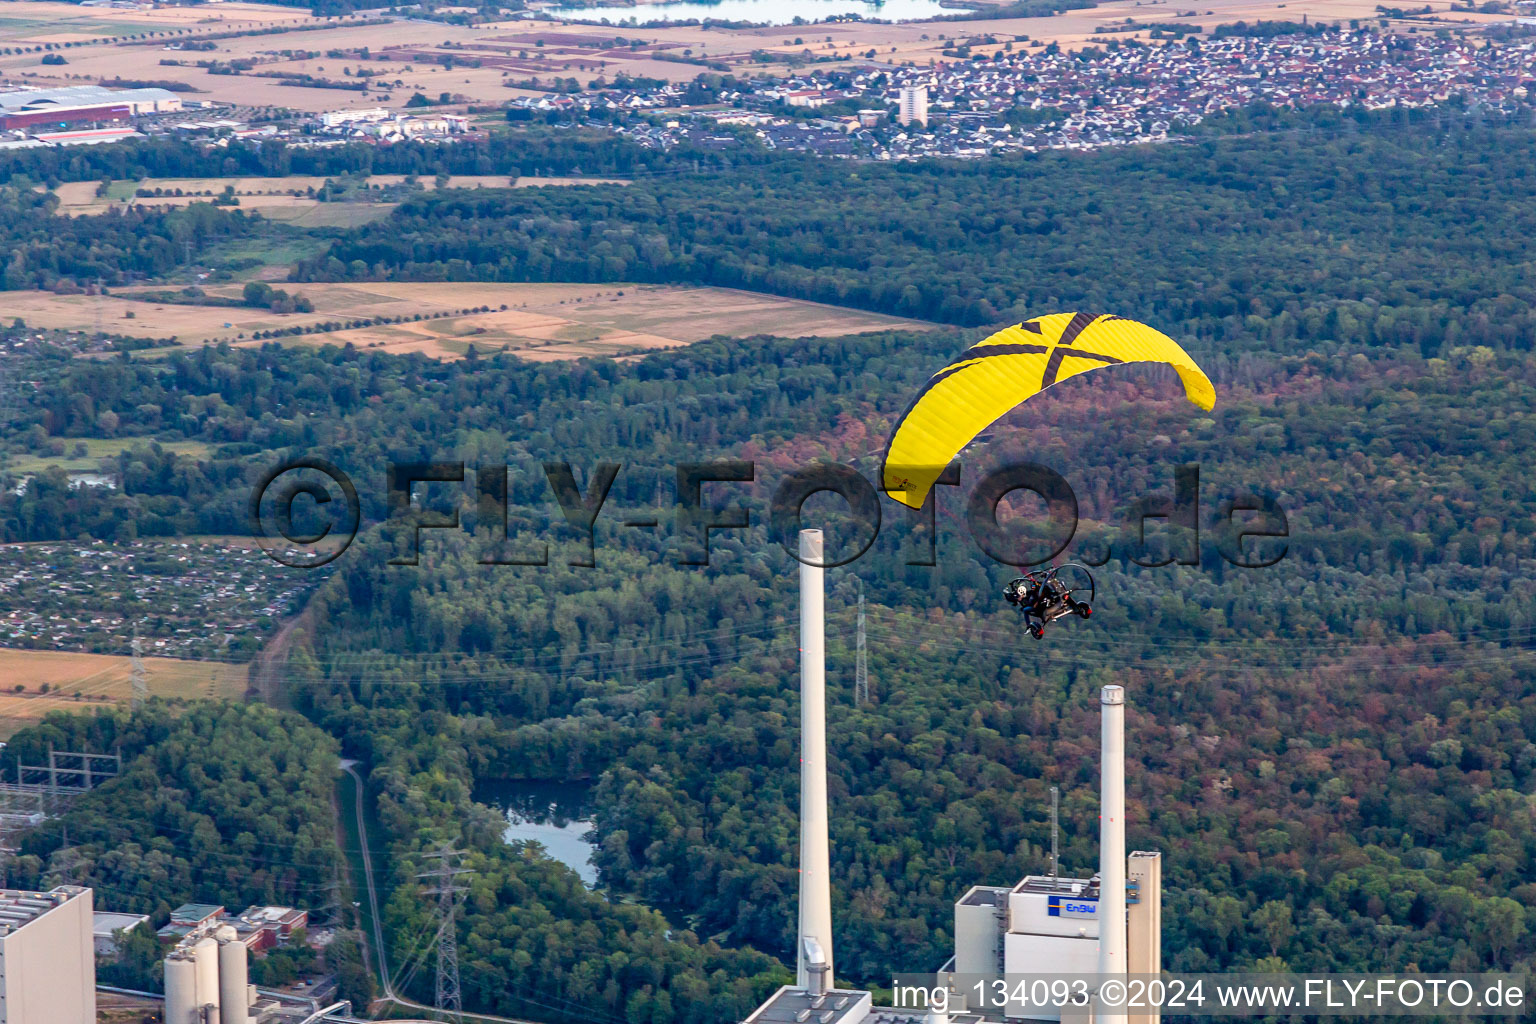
[(1112, 958), (815, 870)]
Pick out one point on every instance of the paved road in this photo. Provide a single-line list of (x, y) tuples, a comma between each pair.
[(380, 955), (385, 977)]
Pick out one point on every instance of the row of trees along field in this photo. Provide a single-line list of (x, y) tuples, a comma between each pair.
[(527, 152)]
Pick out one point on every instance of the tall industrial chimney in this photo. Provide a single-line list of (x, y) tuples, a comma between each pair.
[(815, 869), (1112, 959)]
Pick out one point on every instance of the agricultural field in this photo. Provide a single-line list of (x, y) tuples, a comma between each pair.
[(29, 23), (539, 321), (287, 199), (65, 680), (84, 454)]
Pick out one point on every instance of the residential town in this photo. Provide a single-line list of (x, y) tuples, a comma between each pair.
[(1035, 99), (1011, 95)]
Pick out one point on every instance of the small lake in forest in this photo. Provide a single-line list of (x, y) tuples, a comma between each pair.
[(557, 815)]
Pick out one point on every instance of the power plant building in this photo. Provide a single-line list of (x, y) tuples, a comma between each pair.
[(1048, 925), (47, 958), (1107, 925)]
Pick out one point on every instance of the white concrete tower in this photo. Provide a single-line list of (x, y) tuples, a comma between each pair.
[(815, 860), (234, 981), (1112, 959), (205, 951)]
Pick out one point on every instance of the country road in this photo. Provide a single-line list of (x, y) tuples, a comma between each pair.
[(386, 979)]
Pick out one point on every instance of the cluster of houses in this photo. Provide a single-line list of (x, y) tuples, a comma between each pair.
[(1114, 94), (72, 597)]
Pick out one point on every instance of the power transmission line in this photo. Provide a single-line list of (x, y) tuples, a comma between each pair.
[(139, 695), (8, 402), (861, 664)]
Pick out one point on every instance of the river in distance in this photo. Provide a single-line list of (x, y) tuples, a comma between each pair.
[(767, 12)]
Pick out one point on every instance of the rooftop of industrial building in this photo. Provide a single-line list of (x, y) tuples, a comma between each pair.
[(76, 96), (104, 923), (19, 907), (196, 912), (985, 896), (1059, 884), (892, 1015), (791, 1005)]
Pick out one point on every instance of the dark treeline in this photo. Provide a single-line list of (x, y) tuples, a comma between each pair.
[(1271, 231), (367, 409), (524, 152), (46, 250)]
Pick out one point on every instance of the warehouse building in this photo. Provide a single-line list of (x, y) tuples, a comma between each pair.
[(80, 104), (108, 928)]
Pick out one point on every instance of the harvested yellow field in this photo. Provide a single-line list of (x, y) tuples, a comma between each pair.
[(30, 22), (77, 681), (555, 322), (540, 321)]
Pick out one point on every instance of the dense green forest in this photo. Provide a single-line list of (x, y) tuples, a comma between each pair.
[(1334, 753), (227, 804), (674, 687), (1236, 240)]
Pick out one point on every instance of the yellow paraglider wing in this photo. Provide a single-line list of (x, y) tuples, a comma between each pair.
[(1007, 369)]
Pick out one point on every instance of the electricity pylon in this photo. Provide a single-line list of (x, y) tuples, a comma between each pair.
[(139, 696), (445, 887)]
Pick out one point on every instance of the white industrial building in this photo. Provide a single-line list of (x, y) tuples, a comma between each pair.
[(1110, 924), (47, 962), (337, 118), (77, 97), (207, 979)]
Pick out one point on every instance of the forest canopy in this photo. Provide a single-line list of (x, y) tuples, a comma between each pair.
[(1333, 753)]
